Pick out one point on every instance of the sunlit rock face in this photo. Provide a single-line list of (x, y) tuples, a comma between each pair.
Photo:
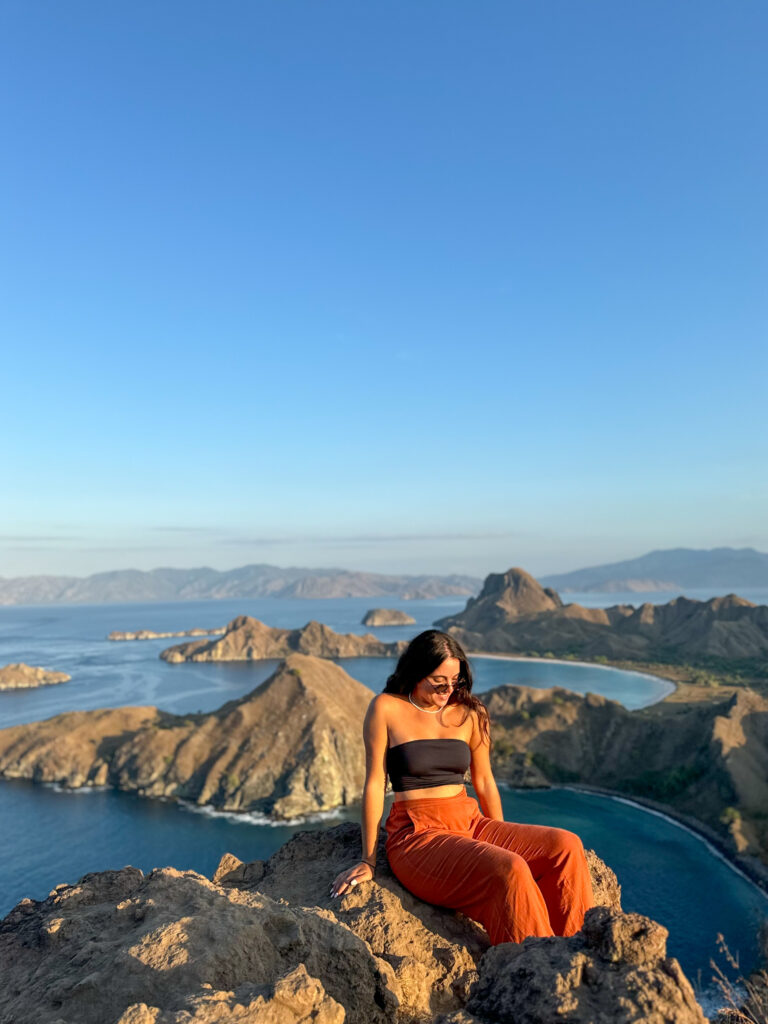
[(19, 676)]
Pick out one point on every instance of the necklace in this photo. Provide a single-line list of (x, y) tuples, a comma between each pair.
[(426, 712)]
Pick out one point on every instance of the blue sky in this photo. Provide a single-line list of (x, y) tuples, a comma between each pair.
[(416, 286)]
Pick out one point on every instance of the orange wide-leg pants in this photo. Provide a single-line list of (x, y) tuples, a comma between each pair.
[(515, 880)]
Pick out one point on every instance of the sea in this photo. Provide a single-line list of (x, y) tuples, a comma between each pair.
[(50, 835)]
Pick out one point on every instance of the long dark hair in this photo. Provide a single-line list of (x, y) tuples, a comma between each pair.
[(422, 656)]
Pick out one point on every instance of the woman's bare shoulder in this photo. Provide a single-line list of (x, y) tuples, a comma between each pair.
[(384, 703), (384, 700)]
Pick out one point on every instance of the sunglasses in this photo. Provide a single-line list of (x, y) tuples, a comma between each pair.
[(444, 685)]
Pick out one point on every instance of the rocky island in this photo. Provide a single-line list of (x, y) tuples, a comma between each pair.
[(19, 676), (150, 634), (291, 747), (248, 639), (263, 942), (387, 617), (515, 614)]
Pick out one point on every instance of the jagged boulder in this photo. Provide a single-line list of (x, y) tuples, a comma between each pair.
[(171, 946), (433, 952), (615, 971)]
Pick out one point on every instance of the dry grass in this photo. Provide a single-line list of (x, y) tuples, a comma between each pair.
[(746, 999)]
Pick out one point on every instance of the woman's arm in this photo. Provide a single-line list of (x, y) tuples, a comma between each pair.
[(482, 775), (375, 737)]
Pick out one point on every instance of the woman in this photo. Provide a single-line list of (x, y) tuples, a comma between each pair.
[(425, 730)]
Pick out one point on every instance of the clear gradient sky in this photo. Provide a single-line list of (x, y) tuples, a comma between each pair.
[(412, 286)]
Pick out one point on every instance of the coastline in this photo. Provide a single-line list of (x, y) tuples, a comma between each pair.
[(756, 873), (647, 674)]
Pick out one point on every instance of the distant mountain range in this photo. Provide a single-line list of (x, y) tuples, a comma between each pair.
[(127, 585), (678, 569), (723, 569)]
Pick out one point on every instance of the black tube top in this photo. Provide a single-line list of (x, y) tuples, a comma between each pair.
[(419, 764)]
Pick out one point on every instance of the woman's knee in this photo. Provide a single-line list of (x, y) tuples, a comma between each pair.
[(511, 872), (567, 844)]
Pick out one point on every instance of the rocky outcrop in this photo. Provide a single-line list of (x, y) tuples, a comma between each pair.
[(19, 676), (514, 613), (433, 952), (247, 639), (264, 942), (615, 971), (387, 617), (171, 946), (291, 747), (150, 634), (708, 760)]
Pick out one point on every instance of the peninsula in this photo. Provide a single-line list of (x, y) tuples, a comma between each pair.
[(19, 676), (247, 639), (515, 614)]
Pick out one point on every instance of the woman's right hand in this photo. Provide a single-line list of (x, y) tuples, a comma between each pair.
[(361, 872)]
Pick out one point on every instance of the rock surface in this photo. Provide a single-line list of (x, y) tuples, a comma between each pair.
[(265, 943), (150, 634), (615, 971), (171, 946), (19, 676), (291, 747), (387, 617), (514, 613), (248, 639), (433, 952)]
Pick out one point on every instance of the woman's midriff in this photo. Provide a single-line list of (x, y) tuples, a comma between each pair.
[(429, 793)]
